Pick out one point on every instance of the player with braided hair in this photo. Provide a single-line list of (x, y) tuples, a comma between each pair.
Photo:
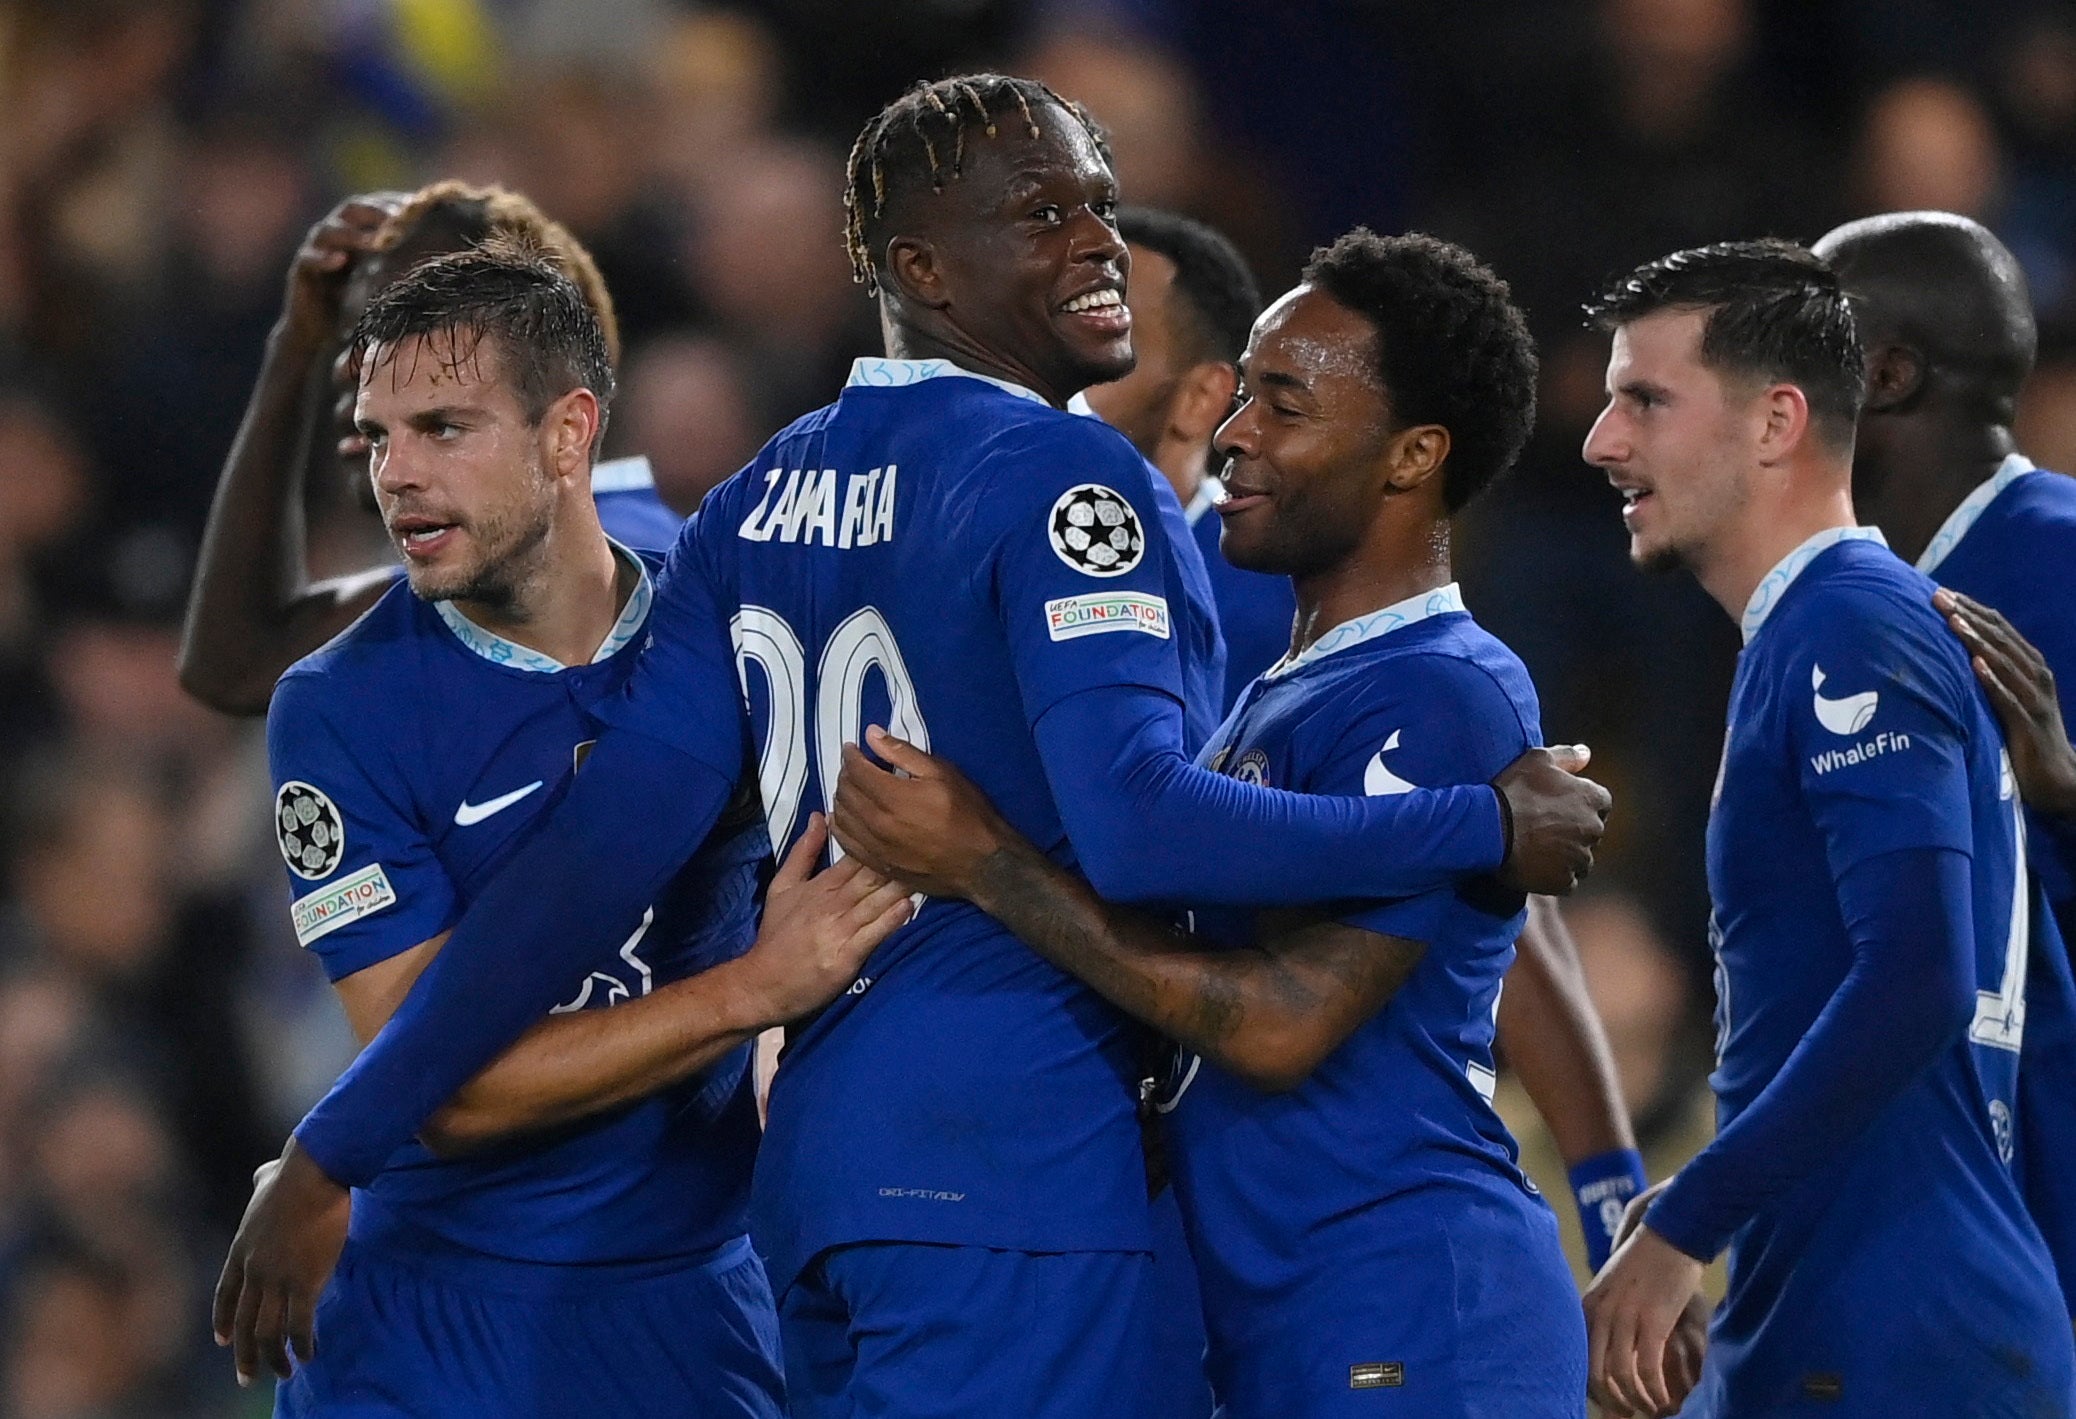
[(254, 609), (950, 1193)]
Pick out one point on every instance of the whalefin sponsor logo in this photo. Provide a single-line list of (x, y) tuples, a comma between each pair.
[(1882, 743), (349, 899), (1072, 617), (1842, 716)]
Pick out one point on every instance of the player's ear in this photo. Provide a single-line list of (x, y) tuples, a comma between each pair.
[(1416, 454), (914, 271), (569, 428), (1895, 373), (1202, 400), (1784, 411)]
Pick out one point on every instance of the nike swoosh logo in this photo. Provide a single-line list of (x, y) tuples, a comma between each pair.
[(470, 814)]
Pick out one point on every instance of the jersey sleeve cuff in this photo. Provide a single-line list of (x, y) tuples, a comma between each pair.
[(1680, 1217)]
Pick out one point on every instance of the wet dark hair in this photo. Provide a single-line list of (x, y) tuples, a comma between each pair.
[(1452, 347), (1219, 294), (1775, 312), (920, 139), (547, 332)]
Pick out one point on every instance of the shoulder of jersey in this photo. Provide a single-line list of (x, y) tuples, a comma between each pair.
[(2045, 501), (370, 643)]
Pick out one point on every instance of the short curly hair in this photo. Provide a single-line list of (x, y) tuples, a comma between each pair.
[(1452, 347)]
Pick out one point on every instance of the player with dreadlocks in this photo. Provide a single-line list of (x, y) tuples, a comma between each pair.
[(950, 1193)]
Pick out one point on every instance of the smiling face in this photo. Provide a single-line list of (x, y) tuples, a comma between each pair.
[(1310, 446), (1137, 405), (1020, 254), (1675, 440), (460, 473)]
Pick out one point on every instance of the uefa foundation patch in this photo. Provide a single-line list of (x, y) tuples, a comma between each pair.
[(349, 899), (1072, 617)]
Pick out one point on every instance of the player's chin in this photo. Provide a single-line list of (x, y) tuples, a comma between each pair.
[(1654, 554), (1252, 549), (1099, 361)]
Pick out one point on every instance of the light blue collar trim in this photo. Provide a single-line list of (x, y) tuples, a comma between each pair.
[(1396, 617), (622, 475), (1210, 493), (1951, 531), (1078, 404), (1767, 594), (496, 648), (878, 372)]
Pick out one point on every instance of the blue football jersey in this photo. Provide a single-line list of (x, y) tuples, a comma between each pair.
[(2011, 545), (410, 756), (1903, 1276), (1200, 639), (964, 1091), (1371, 1227), (1255, 610)]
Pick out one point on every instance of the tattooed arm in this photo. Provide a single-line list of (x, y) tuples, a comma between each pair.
[(1268, 1013)]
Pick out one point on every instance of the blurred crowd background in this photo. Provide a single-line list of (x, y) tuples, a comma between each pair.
[(161, 159)]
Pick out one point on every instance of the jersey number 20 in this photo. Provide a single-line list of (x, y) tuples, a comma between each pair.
[(861, 643)]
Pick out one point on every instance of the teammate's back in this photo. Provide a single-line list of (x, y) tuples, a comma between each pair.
[(964, 1064)]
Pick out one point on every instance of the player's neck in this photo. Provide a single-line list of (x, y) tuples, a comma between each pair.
[(905, 341), (565, 606), (1930, 474), (1367, 580), (1771, 530)]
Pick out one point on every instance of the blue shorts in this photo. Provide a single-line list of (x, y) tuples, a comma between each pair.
[(908, 1330), (1468, 1312), (1176, 1385), (396, 1339)]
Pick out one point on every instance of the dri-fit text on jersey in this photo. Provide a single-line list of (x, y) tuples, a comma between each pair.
[(822, 507)]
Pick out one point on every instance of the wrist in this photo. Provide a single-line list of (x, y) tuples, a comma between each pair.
[(2059, 802), (743, 1000), (999, 877), (1506, 826), (301, 1171)]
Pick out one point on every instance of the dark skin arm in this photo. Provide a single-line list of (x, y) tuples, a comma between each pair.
[(1553, 1039), (253, 610), (817, 930), (2021, 690), (1269, 1013)]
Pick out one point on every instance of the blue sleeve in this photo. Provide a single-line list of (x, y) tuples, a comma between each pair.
[(684, 691), (1908, 994), (1877, 715), (1079, 563), (646, 797), (364, 879), (1148, 826), (634, 814), (1443, 721)]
